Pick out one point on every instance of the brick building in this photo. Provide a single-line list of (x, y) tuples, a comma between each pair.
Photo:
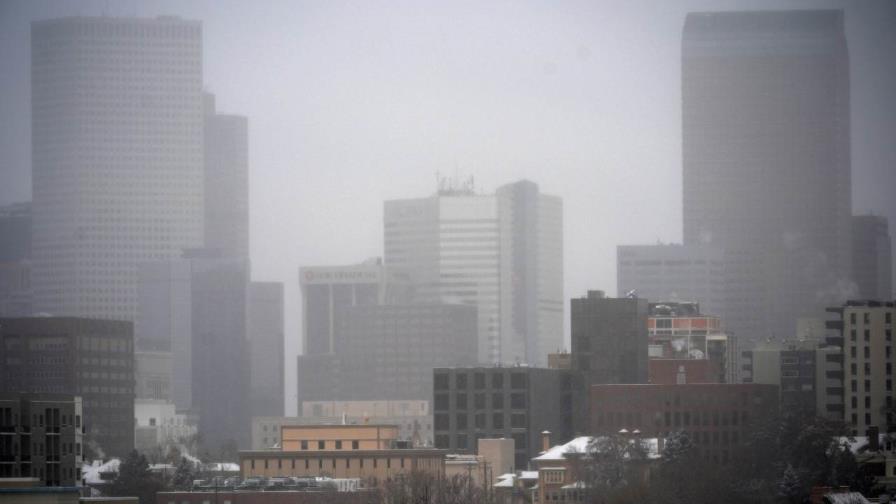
[(715, 416)]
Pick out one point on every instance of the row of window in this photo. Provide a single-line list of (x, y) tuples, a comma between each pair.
[(442, 402), (462, 381), (320, 463)]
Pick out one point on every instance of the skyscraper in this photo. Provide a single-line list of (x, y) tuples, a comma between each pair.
[(264, 334), (766, 163), (872, 257), (117, 153), (502, 253), (226, 182)]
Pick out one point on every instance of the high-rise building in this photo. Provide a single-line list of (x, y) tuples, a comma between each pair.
[(264, 334), (41, 437), (865, 393), (117, 156), (673, 272), (872, 259), (15, 264), (196, 309), (90, 358), (226, 182), (327, 290), (502, 253), (531, 226), (766, 161)]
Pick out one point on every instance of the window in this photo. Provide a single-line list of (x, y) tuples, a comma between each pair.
[(462, 441), (867, 335), (441, 421), (479, 401), (852, 352), (498, 380), (517, 421), (303, 444), (355, 445), (867, 352), (461, 421), (852, 318), (460, 381), (460, 401), (517, 380), (866, 317), (498, 420), (338, 445), (321, 445), (867, 401), (479, 420), (441, 382), (497, 400), (441, 402), (852, 334), (479, 381), (517, 400)]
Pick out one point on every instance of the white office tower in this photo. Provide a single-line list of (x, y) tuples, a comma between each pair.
[(502, 253), (117, 139)]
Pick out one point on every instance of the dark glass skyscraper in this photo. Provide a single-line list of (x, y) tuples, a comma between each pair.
[(765, 124)]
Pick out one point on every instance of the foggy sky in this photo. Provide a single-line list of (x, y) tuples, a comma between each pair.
[(353, 103)]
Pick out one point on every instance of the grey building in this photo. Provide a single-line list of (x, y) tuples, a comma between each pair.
[(609, 346), (766, 161), (117, 155), (502, 253), (264, 334), (517, 403), (196, 309), (90, 358), (15, 260), (673, 272), (872, 259), (41, 437), (388, 352), (226, 182)]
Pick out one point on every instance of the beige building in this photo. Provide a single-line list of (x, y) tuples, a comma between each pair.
[(866, 336), (494, 457), (372, 453)]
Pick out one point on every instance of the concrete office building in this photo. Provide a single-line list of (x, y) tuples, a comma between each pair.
[(327, 290), (766, 161), (264, 334), (872, 257), (609, 338), (864, 330), (117, 155), (90, 358), (502, 253), (40, 437), (495, 402), (799, 368), (15, 264), (673, 272), (152, 375), (197, 307), (388, 352), (226, 181), (715, 416)]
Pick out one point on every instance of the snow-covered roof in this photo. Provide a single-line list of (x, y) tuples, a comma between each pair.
[(505, 481), (581, 444), (846, 498), (90, 472), (222, 466), (532, 475)]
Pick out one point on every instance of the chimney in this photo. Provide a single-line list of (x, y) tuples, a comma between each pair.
[(546, 440)]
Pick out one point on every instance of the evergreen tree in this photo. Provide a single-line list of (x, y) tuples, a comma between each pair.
[(790, 489), (184, 474), (135, 480)]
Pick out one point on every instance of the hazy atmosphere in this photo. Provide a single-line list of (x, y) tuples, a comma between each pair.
[(353, 103)]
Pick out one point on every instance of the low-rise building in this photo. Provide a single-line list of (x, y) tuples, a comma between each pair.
[(158, 424), (715, 416), (372, 453)]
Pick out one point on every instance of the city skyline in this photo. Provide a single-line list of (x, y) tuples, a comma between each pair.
[(642, 197)]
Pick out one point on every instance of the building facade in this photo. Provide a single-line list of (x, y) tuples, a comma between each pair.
[(89, 358), (766, 161), (872, 257), (716, 417), (502, 253), (15, 260), (495, 402), (681, 331), (117, 154), (389, 352), (41, 438), (864, 331), (609, 338), (673, 272), (264, 333)]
